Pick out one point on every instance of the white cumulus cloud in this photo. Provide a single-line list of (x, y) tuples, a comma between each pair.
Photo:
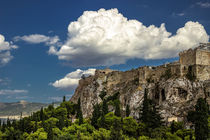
[(106, 37), (5, 48), (70, 81), (38, 38)]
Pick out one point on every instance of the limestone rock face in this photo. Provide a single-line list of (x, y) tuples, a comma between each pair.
[(175, 96)]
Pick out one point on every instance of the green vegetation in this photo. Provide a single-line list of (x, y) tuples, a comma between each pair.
[(59, 124), (199, 118)]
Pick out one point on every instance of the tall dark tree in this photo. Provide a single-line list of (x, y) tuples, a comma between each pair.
[(105, 109), (149, 113), (64, 98), (117, 108), (8, 122), (199, 118), (172, 127), (42, 114), (128, 110), (79, 112), (96, 115), (144, 112)]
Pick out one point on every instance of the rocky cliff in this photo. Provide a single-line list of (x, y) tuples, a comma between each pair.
[(174, 94)]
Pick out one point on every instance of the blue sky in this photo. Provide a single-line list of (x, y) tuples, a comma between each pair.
[(42, 45)]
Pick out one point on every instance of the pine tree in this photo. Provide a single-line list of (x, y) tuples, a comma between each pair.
[(200, 118), (128, 110), (96, 115)]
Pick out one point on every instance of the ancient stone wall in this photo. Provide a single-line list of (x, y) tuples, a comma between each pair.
[(203, 57), (187, 57)]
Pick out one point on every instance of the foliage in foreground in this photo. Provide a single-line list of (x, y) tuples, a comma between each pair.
[(57, 123)]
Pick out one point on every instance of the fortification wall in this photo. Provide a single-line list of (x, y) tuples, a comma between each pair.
[(187, 57), (203, 57)]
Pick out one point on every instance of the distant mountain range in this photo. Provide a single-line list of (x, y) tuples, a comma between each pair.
[(15, 108)]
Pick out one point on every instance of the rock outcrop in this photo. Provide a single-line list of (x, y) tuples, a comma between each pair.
[(172, 90)]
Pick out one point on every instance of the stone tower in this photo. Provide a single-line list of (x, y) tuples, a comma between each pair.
[(198, 60)]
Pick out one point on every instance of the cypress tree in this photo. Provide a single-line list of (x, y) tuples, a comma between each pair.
[(64, 98), (105, 107), (8, 122), (96, 115), (79, 112), (128, 110), (172, 127), (149, 113), (200, 118), (117, 108), (144, 112), (42, 114)]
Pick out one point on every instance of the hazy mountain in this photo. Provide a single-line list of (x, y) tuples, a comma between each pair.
[(15, 109)]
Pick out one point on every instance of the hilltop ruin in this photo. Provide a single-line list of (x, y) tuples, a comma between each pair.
[(175, 87)]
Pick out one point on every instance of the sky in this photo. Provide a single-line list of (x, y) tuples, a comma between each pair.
[(47, 45)]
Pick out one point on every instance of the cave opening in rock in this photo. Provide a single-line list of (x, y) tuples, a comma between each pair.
[(163, 95), (157, 96)]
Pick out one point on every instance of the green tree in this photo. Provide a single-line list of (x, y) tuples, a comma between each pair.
[(50, 133), (42, 115), (128, 110), (130, 126), (96, 115), (102, 94), (64, 98), (149, 113), (105, 109), (200, 119), (79, 112), (116, 131), (117, 108)]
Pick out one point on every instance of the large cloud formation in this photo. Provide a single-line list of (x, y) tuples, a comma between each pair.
[(70, 81), (106, 37), (5, 48)]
